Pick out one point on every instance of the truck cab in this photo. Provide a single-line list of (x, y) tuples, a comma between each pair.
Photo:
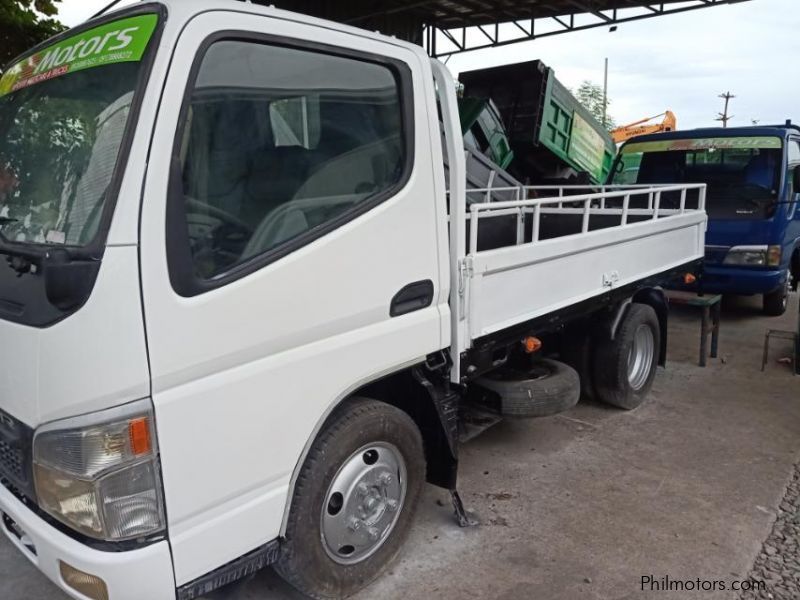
[(753, 178)]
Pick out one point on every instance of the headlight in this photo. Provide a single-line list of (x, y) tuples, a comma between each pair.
[(99, 473), (747, 256), (754, 256)]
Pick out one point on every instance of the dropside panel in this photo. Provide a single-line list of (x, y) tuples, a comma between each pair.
[(516, 284)]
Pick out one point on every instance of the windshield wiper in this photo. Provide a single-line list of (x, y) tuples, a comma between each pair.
[(21, 257)]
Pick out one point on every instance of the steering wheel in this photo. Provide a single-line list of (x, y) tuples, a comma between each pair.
[(208, 210), (222, 236)]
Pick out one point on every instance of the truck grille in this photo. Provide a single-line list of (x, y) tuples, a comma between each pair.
[(16, 440), (11, 461), (716, 254)]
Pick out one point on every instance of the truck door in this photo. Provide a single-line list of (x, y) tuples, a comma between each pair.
[(290, 253)]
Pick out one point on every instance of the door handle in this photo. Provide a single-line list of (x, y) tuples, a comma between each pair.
[(414, 296)]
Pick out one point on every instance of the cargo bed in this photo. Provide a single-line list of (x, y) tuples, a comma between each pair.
[(568, 245)]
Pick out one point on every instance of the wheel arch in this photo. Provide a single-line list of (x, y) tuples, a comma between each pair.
[(410, 390)]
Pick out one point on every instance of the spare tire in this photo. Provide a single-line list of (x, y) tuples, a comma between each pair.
[(547, 388)]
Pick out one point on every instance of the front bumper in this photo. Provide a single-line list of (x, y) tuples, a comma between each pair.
[(140, 574), (733, 280)]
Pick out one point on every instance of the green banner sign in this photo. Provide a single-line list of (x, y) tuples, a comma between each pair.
[(587, 147), (721, 143), (116, 42)]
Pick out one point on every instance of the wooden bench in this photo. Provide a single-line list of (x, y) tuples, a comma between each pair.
[(710, 305)]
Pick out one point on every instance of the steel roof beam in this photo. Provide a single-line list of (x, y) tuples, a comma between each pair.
[(566, 22), (465, 25)]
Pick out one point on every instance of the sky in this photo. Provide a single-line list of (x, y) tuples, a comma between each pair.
[(680, 62)]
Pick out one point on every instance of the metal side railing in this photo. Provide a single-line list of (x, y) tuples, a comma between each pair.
[(611, 200)]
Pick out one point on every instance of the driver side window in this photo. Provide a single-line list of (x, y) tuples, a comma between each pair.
[(281, 145), (794, 153)]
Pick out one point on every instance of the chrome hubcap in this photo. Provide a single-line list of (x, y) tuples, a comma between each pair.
[(640, 357), (363, 503)]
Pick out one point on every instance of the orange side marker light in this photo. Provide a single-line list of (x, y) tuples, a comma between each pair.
[(532, 344), (139, 432)]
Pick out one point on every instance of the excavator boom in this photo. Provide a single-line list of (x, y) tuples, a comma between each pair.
[(626, 132)]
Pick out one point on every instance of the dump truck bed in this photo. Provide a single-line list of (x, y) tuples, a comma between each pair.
[(549, 130)]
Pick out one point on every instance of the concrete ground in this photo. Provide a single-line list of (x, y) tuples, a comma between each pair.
[(583, 505)]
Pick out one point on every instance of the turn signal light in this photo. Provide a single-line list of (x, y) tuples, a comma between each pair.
[(139, 432), (532, 344), (689, 278), (774, 256)]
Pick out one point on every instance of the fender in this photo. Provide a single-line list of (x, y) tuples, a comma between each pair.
[(433, 408), (655, 298), (323, 418), (794, 265)]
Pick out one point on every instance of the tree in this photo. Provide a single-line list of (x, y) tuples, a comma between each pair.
[(590, 95), (25, 23)]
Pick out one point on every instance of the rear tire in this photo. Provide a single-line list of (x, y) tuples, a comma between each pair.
[(354, 500), (775, 303), (625, 367)]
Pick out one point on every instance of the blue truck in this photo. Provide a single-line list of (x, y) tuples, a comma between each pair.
[(753, 178)]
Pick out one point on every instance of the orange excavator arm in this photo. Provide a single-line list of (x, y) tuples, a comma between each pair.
[(626, 132)]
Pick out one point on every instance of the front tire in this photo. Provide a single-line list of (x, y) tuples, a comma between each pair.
[(775, 303), (354, 500), (625, 367)]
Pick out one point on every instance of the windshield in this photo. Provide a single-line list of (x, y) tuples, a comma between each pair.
[(63, 116), (743, 174)]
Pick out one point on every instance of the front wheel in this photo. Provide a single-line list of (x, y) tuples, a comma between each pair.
[(354, 500), (775, 303)]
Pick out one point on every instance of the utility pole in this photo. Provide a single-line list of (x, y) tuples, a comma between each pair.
[(723, 116), (605, 95)]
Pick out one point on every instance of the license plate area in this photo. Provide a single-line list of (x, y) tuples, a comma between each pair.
[(18, 535)]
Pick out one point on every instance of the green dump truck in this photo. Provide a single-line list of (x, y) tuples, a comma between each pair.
[(550, 135)]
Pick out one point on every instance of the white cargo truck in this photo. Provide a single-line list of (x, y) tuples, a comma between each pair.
[(246, 312)]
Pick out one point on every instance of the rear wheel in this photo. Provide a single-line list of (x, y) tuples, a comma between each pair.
[(354, 500), (775, 303), (625, 367)]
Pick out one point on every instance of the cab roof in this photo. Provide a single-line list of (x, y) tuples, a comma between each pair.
[(781, 131)]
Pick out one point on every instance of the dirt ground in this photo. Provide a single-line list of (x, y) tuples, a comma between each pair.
[(588, 503)]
